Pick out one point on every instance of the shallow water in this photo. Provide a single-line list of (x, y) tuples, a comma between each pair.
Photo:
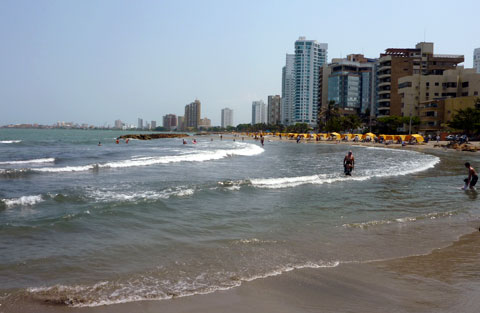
[(90, 225)]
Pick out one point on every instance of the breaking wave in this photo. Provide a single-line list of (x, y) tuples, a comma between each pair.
[(149, 288), (44, 160), (402, 168), (10, 141), (246, 150), (149, 195), (22, 201)]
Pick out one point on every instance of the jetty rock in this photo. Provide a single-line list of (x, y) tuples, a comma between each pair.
[(151, 136)]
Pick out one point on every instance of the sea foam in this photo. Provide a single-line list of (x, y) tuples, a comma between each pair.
[(202, 156), (10, 141), (44, 160), (23, 201), (402, 168)]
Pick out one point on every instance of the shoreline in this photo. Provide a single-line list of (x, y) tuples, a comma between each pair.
[(418, 283), (431, 146)]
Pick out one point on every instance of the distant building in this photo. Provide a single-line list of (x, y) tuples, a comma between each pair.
[(396, 63), (140, 123), (170, 121), (310, 56), (288, 90), (273, 110), (153, 124), (351, 84), (415, 90), (227, 117), (259, 112), (205, 123), (435, 114), (180, 123), (476, 59), (118, 124), (192, 114)]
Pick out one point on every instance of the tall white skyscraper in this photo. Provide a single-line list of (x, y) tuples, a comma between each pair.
[(227, 117), (309, 57), (288, 90), (259, 112), (140, 123), (476, 59)]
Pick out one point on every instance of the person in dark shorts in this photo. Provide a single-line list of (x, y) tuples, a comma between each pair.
[(349, 163), (472, 177)]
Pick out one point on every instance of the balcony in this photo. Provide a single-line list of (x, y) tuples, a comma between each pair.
[(386, 83), (384, 67)]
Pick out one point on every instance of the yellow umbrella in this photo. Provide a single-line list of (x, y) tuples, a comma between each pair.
[(372, 135), (418, 138), (336, 135)]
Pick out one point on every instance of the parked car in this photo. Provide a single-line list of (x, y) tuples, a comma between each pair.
[(450, 137)]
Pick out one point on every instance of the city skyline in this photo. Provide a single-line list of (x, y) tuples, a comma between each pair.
[(59, 68)]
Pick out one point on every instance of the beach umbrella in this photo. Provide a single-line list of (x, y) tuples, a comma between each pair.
[(417, 137)]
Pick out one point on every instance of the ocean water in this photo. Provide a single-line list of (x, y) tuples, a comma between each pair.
[(88, 225)]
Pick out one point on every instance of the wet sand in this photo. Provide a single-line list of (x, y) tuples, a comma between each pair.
[(445, 280)]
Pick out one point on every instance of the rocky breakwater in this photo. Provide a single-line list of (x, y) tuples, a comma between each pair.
[(151, 136)]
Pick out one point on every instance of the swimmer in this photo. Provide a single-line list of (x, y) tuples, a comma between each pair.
[(472, 177), (349, 163)]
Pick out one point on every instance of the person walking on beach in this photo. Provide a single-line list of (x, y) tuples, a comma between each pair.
[(262, 139), (349, 163), (472, 177)]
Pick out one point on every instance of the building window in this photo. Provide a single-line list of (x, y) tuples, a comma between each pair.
[(464, 84), (427, 84), (437, 84)]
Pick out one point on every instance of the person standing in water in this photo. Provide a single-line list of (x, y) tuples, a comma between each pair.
[(349, 163), (472, 177)]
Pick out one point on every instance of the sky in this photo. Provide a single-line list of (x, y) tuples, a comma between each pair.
[(97, 61)]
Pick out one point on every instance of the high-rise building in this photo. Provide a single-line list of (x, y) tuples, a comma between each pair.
[(170, 122), (140, 123), (351, 84), (310, 56), (192, 114), (118, 124), (153, 124), (227, 117), (396, 63), (476, 59), (288, 90), (259, 112), (273, 110)]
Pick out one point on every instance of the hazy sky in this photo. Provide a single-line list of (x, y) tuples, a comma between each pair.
[(97, 61)]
